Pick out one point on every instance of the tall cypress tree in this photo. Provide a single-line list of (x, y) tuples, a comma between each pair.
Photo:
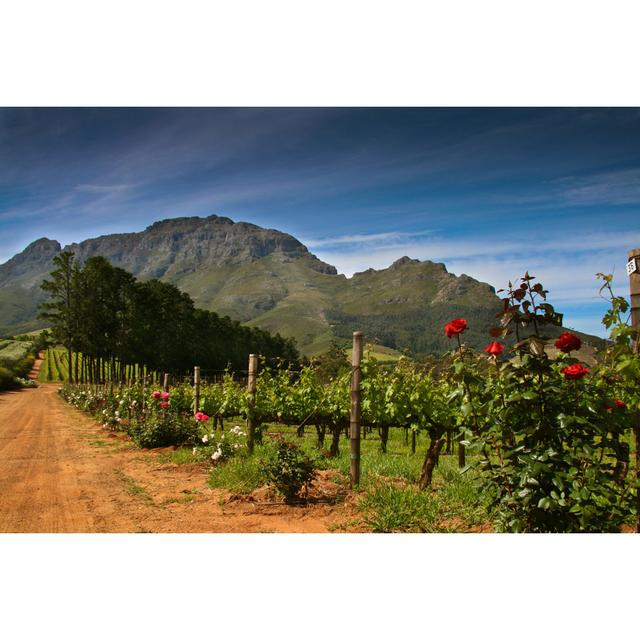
[(62, 309)]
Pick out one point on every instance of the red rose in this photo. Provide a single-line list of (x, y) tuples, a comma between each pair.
[(575, 371), (164, 405), (619, 403), (568, 342), (494, 349), (455, 327)]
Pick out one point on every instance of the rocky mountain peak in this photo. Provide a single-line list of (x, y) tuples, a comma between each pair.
[(33, 258)]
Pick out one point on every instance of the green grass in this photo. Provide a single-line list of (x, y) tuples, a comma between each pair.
[(182, 455), (101, 443), (240, 474), (453, 505), (390, 499), (379, 352), (133, 488)]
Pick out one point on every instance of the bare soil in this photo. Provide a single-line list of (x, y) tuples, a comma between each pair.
[(60, 471)]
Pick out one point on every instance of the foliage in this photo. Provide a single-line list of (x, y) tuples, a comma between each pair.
[(165, 431), (220, 446), (288, 469), (552, 449), (106, 314), (548, 439), (16, 361), (332, 363)]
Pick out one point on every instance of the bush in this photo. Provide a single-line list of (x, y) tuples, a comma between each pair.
[(218, 447), (26, 383), (288, 469), (163, 432), (7, 380), (551, 432)]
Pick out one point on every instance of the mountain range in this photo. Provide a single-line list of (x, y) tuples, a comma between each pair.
[(267, 278)]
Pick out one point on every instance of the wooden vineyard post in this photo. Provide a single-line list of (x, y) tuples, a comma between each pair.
[(633, 268), (196, 389), (354, 424), (165, 384), (251, 388)]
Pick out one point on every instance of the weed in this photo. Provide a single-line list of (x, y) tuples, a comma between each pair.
[(133, 488)]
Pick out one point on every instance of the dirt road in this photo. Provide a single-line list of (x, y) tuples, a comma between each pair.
[(61, 472)]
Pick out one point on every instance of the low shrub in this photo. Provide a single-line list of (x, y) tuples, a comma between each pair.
[(163, 432), (7, 380), (219, 446), (288, 469)]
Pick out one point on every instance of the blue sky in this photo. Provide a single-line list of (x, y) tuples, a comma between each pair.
[(489, 192)]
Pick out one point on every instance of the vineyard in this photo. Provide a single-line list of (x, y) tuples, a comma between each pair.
[(308, 412), (543, 442), (55, 367)]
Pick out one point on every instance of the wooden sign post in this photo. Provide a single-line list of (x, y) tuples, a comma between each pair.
[(165, 384), (354, 425), (633, 269), (196, 389), (251, 388)]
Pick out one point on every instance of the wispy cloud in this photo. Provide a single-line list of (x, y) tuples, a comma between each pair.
[(613, 187), (395, 238), (104, 188)]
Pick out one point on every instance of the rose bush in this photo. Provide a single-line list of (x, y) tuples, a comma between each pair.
[(551, 453)]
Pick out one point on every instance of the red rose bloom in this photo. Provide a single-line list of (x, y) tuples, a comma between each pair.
[(575, 371), (455, 327), (619, 403), (494, 349), (568, 342), (164, 405)]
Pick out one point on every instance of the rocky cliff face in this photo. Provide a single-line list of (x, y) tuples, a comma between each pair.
[(269, 279), (171, 248), (30, 263)]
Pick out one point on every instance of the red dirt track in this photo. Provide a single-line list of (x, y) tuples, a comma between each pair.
[(61, 472)]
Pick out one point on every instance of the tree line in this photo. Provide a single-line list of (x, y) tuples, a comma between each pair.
[(119, 324)]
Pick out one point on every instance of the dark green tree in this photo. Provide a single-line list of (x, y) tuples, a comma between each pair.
[(62, 309)]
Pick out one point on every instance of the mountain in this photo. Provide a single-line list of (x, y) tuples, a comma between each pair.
[(267, 278), (20, 279)]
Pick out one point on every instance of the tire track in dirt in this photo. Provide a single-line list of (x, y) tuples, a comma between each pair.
[(60, 471)]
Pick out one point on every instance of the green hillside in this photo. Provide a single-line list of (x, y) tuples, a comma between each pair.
[(268, 279)]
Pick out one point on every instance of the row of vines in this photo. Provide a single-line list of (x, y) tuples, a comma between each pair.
[(55, 368), (550, 438)]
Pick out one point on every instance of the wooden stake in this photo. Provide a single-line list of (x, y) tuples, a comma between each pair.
[(196, 389), (251, 388), (634, 289), (354, 425), (165, 384)]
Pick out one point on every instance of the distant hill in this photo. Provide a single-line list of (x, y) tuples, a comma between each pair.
[(267, 278)]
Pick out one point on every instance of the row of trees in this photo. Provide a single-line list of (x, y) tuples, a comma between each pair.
[(114, 320)]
